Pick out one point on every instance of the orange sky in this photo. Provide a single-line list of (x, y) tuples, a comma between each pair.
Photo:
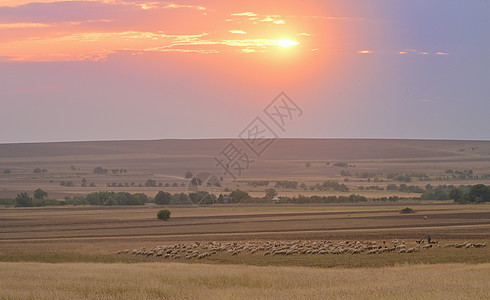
[(92, 30), (374, 62)]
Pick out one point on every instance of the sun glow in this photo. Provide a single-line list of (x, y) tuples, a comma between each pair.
[(285, 43)]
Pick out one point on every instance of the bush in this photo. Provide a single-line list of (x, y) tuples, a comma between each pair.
[(163, 214), (407, 210)]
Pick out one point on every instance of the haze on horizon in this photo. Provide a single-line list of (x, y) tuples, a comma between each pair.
[(136, 70)]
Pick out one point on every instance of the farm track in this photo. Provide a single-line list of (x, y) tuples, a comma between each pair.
[(247, 219), (216, 228)]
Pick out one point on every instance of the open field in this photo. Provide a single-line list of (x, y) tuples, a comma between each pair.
[(71, 252), (184, 281), (308, 161), (95, 234)]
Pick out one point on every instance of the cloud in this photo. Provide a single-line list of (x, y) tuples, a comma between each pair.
[(416, 52), (24, 25), (245, 14), (237, 31), (365, 52)]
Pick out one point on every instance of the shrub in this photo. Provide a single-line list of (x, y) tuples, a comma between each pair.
[(163, 214), (407, 210)]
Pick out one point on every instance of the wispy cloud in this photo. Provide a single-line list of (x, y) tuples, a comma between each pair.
[(237, 31), (416, 52), (24, 25), (245, 14)]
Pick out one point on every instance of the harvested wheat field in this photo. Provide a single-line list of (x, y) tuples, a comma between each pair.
[(184, 281)]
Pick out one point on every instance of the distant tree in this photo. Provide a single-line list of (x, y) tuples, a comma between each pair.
[(92, 184), (391, 187), (114, 171), (40, 194), (456, 195), (140, 198), (37, 170), (151, 183), (163, 214), (23, 200), (188, 174), (196, 181), (163, 198), (73, 168), (307, 164), (479, 193), (343, 188), (100, 170), (270, 193), (239, 195), (7, 171), (84, 182)]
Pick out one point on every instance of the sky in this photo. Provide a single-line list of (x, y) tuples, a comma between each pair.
[(136, 70)]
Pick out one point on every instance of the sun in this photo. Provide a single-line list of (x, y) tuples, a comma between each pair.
[(285, 43)]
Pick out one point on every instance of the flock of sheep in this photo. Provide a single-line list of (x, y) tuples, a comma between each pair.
[(200, 250)]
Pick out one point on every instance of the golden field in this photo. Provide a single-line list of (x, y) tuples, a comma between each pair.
[(184, 281)]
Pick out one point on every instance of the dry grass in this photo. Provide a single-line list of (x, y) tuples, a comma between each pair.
[(182, 281), (88, 234)]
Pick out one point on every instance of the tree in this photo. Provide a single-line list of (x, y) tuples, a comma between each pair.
[(196, 181), (37, 170), (270, 193), (238, 195), (163, 198), (23, 200), (84, 182), (188, 174), (40, 194), (479, 193), (151, 183), (100, 170), (456, 194), (163, 214)]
